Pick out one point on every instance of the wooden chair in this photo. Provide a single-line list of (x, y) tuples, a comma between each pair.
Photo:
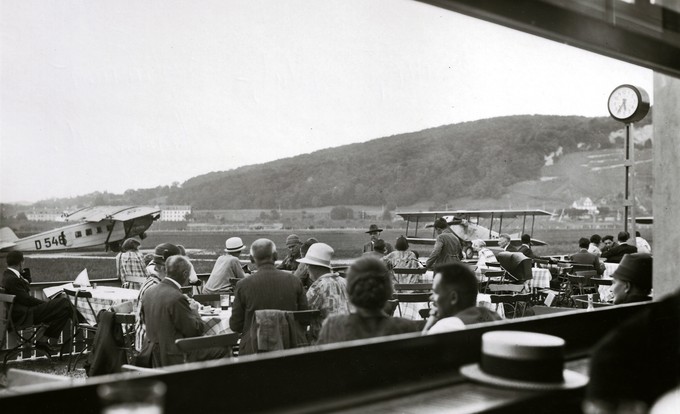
[(227, 341), (25, 338), (412, 293), (139, 280), (492, 277), (598, 281), (86, 330), (403, 287), (127, 323), (580, 267), (513, 305), (581, 280), (506, 288)]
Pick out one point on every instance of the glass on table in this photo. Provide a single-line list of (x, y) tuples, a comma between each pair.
[(132, 397), (225, 301)]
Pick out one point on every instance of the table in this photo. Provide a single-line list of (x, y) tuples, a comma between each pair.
[(217, 324), (540, 277), (484, 300), (104, 297), (609, 269)]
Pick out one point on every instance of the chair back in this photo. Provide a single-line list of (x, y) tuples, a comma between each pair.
[(514, 306), (305, 317), (135, 279), (506, 288), (580, 267), (6, 325), (187, 290), (227, 341), (409, 271), (601, 281), (412, 297), (413, 286), (84, 294)]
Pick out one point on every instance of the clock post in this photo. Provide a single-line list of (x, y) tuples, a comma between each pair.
[(629, 104)]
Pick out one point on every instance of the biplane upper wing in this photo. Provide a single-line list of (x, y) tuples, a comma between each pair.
[(410, 216), (118, 213)]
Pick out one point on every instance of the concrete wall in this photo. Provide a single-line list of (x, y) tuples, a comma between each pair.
[(666, 119)]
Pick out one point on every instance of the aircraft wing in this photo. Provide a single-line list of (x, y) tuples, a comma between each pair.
[(430, 215), (118, 213), (644, 220)]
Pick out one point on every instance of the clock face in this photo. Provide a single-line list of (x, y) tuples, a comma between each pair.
[(623, 102)]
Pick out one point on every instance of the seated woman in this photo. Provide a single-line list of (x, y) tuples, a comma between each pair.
[(369, 287), (402, 257), (484, 254)]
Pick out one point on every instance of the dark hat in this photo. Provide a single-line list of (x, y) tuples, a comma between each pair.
[(635, 268), (379, 245), (163, 251), (293, 239), (441, 223), (373, 228)]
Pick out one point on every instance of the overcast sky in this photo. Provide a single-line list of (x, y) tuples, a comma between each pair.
[(111, 95)]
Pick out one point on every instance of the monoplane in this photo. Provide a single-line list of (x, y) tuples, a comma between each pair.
[(466, 225), (107, 225)]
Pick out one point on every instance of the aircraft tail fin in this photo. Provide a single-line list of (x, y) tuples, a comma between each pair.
[(7, 238)]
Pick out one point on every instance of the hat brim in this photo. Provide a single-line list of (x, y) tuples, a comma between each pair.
[(237, 249), (374, 231), (313, 262), (572, 380)]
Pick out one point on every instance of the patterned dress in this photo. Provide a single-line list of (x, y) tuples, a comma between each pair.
[(328, 294), (130, 263)]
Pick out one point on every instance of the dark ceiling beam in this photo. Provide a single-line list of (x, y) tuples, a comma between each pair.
[(575, 29)]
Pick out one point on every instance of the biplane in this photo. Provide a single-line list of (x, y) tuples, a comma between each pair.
[(466, 225), (107, 225)]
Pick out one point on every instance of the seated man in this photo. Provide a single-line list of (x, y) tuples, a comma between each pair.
[(583, 256), (504, 242), (226, 267), (268, 288), (168, 316), (615, 253), (454, 299), (525, 248), (328, 292), (369, 286), (294, 244), (28, 310), (633, 279)]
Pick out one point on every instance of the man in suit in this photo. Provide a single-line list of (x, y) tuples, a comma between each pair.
[(525, 248), (268, 288), (615, 253), (374, 231), (447, 247), (28, 310), (168, 316), (583, 256), (504, 243)]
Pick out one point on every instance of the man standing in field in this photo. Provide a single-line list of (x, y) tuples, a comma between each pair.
[(268, 288), (374, 231)]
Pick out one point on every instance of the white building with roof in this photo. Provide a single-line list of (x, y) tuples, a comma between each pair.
[(174, 213)]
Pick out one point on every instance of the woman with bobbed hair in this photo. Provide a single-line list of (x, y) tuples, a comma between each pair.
[(402, 257), (369, 287), (484, 254)]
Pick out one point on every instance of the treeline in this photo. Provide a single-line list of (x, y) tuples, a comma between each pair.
[(478, 158)]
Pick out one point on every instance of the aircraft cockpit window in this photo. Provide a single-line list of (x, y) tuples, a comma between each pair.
[(79, 234), (99, 230), (109, 227), (88, 232)]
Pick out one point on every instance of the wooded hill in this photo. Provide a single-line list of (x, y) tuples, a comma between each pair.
[(471, 159)]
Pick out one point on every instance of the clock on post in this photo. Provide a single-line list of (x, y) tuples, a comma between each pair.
[(629, 104)]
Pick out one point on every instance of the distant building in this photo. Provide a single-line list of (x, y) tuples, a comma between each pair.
[(45, 215), (174, 213), (585, 203)]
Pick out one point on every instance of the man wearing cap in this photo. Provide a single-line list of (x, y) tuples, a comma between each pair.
[(454, 299), (374, 231), (168, 316), (162, 252), (447, 247), (328, 292), (268, 288), (633, 279), (227, 267), (290, 262), (615, 253)]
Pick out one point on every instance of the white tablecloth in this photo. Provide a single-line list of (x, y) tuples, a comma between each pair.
[(103, 297), (609, 269), (540, 278), (217, 324)]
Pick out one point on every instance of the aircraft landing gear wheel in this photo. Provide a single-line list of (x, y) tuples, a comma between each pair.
[(115, 246)]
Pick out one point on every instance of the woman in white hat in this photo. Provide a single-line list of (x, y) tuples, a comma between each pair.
[(227, 267)]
